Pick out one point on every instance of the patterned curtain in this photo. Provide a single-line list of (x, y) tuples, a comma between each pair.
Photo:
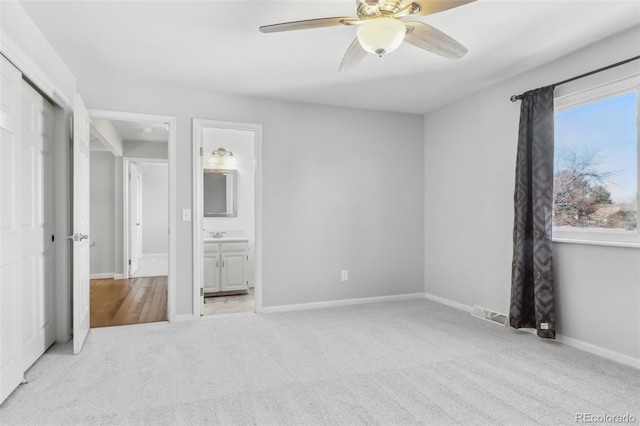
[(532, 304)]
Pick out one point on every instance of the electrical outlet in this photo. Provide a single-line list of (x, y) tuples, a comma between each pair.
[(345, 275)]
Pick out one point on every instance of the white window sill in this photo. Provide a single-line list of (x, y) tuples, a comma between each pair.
[(598, 237)]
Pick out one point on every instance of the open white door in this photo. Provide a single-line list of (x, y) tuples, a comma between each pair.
[(135, 217), (80, 237)]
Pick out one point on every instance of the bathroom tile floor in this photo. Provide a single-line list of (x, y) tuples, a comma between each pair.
[(233, 304)]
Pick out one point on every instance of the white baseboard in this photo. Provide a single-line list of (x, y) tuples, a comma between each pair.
[(102, 276), (183, 317), (569, 341), (337, 303), (448, 302), (118, 276), (599, 350)]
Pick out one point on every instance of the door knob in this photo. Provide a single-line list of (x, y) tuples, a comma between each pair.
[(77, 237)]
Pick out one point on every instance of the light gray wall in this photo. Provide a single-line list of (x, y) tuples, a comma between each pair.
[(102, 208), (470, 151), (328, 176), (155, 208)]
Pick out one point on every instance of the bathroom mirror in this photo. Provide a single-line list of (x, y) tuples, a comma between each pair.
[(220, 193)]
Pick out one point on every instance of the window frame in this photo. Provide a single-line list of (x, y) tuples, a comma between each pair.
[(587, 92)]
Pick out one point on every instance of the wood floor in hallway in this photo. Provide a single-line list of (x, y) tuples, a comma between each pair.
[(130, 301)]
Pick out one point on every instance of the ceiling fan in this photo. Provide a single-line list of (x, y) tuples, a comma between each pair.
[(382, 28)]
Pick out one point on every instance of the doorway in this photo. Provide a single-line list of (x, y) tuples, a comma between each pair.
[(145, 227), (132, 247), (223, 239)]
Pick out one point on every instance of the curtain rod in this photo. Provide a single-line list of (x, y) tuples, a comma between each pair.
[(518, 97)]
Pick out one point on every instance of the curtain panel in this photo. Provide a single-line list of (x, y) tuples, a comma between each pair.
[(532, 294)]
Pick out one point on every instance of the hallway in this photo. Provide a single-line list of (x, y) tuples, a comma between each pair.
[(131, 301)]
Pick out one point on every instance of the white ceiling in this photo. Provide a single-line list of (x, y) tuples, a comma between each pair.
[(141, 131), (215, 45)]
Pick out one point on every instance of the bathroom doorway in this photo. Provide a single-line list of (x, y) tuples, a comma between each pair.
[(227, 217)]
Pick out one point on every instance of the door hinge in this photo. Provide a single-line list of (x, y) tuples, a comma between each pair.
[(201, 151), (129, 262), (201, 291)]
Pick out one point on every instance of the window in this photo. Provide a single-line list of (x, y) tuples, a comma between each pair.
[(596, 165)]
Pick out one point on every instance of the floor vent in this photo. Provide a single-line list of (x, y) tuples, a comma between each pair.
[(489, 315)]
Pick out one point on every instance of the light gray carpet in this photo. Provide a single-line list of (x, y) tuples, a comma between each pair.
[(400, 363)]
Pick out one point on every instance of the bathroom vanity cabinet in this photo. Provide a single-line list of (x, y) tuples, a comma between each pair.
[(225, 264)]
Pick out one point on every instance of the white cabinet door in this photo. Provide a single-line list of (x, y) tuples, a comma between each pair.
[(11, 369), (211, 272), (234, 271)]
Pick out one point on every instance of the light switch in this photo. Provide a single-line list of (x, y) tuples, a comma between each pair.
[(186, 215)]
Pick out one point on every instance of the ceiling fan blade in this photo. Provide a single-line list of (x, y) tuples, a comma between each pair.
[(429, 7), (308, 24), (355, 54), (433, 40)]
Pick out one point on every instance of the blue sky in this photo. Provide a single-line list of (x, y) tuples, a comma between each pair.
[(608, 128)]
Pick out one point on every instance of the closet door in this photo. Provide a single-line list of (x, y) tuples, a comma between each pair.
[(11, 368), (36, 223)]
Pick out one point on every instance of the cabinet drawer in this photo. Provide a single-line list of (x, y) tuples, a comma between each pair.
[(233, 246), (211, 247)]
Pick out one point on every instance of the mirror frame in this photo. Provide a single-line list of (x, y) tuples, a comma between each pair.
[(235, 192)]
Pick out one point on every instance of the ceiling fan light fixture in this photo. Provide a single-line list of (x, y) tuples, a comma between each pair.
[(381, 35)]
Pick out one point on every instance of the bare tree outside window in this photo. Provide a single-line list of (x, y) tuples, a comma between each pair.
[(581, 198)]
